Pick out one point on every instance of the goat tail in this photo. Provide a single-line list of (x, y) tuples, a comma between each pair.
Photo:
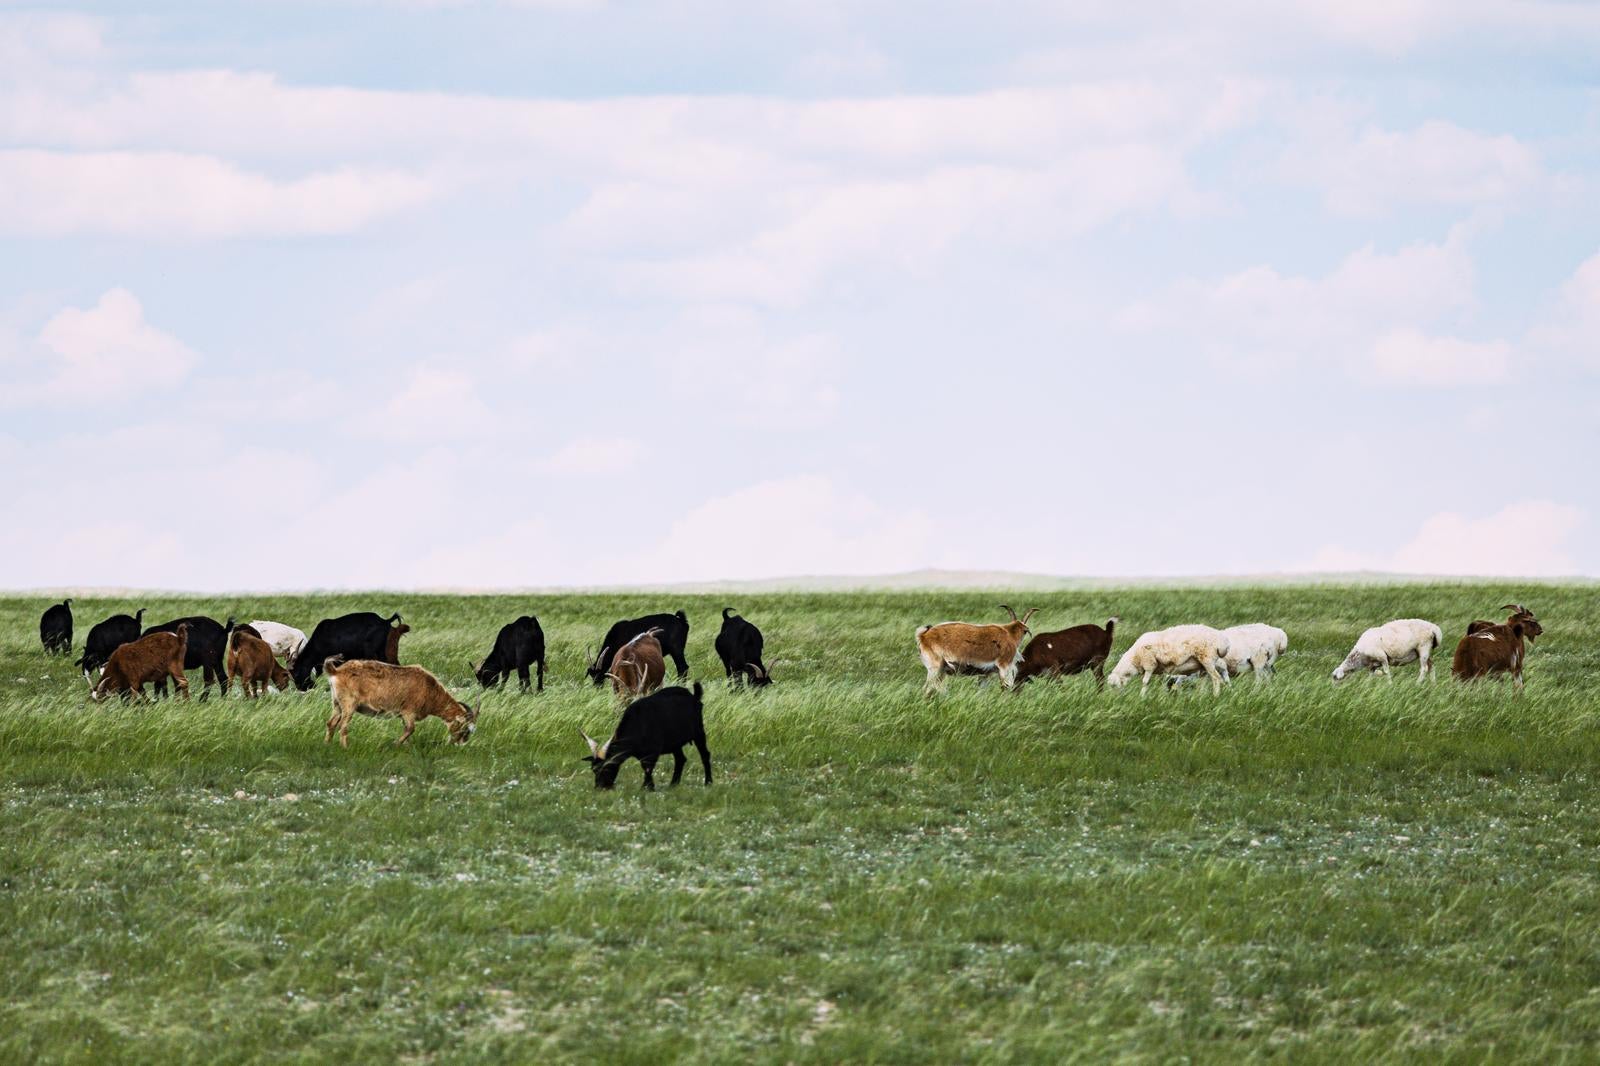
[(331, 665)]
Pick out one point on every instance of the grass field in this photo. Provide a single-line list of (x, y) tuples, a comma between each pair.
[(1314, 872)]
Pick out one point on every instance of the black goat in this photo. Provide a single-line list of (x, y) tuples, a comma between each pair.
[(674, 636), (206, 651), (519, 645), (651, 727), (739, 647), (55, 628), (362, 635), (106, 637)]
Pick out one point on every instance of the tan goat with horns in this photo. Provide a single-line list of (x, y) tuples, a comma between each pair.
[(960, 647)]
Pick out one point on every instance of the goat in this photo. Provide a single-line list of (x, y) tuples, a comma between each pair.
[(106, 637), (391, 643), (252, 665), (520, 644), (1531, 628), (207, 648), (154, 657), (654, 726), (55, 628), (1068, 651), (950, 647), (362, 635), (674, 636), (638, 668), (1175, 650), (1496, 648), (1393, 644), (739, 646), (285, 641), (409, 692)]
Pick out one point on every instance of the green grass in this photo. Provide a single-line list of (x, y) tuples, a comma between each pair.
[(1297, 870)]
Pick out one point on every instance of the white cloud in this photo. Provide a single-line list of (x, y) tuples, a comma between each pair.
[(168, 194), (1411, 357), (1375, 169), (433, 405), (788, 526), (597, 457), (1368, 313), (1571, 328), (105, 354), (1531, 538)]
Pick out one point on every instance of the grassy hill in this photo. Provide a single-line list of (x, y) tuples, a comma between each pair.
[(1297, 868)]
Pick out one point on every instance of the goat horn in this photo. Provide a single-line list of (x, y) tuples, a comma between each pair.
[(1511, 607), (594, 749), (1008, 610), (1031, 612)]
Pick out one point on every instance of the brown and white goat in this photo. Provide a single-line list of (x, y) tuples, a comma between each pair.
[(961, 647), (639, 667), (152, 658), (1530, 625), (1496, 647), (407, 692), (252, 664)]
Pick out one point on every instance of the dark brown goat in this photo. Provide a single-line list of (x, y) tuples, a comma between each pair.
[(154, 657), (639, 666), (252, 664), (391, 643), (1496, 647), (1068, 651)]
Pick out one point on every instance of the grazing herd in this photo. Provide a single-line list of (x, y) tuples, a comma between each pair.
[(360, 654)]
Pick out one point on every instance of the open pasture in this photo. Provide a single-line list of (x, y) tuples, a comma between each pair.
[(1058, 874)]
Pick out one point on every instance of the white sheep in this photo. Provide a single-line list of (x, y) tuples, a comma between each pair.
[(1393, 644), (1177, 650), (1255, 646), (285, 641)]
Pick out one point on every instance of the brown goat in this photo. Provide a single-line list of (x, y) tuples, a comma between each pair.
[(1068, 651), (391, 643), (154, 657), (1530, 625), (408, 692), (639, 667), (252, 664), (957, 647), (1496, 647)]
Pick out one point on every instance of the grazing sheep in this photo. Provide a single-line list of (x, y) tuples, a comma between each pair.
[(1393, 644), (1176, 650), (1253, 647), (285, 641), (154, 657)]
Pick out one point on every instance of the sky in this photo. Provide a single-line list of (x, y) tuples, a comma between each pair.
[(400, 293)]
